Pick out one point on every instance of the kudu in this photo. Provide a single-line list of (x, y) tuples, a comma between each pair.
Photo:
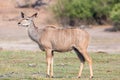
[(52, 39)]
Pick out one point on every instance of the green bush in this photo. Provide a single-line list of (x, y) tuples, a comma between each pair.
[(84, 11), (79, 9), (115, 16), (73, 10)]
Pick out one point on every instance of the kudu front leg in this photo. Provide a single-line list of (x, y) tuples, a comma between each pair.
[(49, 58)]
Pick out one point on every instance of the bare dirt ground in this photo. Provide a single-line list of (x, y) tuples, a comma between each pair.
[(13, 37), (103, 41)]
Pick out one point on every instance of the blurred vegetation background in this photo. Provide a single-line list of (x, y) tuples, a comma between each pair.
[(77, 12)]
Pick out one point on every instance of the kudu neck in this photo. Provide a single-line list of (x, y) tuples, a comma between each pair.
[(33, 32), (32, 25)]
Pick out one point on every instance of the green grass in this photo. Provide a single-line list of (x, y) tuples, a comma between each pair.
[(26, 65)]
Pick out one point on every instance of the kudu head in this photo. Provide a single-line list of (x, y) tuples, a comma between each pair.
[(26, 21)]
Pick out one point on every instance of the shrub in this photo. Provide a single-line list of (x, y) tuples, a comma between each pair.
[(84, 11), (115, 16), (73, 10)]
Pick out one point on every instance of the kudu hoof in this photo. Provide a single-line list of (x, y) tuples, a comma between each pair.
[(48, 76), (52, 76), (78, 76), (91, 77)]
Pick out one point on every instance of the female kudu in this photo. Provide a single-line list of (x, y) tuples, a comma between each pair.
[(52, 39)]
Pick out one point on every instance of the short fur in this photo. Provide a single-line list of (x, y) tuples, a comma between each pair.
[(52, 39), (79, 54)]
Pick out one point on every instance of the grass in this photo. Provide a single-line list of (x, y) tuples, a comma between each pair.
[(27, 65)]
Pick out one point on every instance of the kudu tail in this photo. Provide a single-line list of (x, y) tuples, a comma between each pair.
[(79, 54)]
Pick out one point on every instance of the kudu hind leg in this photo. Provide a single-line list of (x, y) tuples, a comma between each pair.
[(82, 59), (89, 60)]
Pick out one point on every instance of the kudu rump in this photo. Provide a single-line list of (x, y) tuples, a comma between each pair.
[(52, 39)]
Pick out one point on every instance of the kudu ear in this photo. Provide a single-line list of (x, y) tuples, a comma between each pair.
[(22, 15), (34, 15)]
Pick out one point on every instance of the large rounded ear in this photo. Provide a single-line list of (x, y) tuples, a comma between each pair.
[(34, 15), (22, 15)]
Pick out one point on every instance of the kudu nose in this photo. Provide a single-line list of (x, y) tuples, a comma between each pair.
[(19, 23)]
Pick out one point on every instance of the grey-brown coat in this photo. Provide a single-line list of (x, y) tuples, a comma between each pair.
[(52, 39)]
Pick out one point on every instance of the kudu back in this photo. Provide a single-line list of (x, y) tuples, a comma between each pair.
[(52, 39)]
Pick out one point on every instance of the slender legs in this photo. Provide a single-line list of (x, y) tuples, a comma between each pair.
[(52, 65), (89, 60), (80, 71), (49, 58)]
